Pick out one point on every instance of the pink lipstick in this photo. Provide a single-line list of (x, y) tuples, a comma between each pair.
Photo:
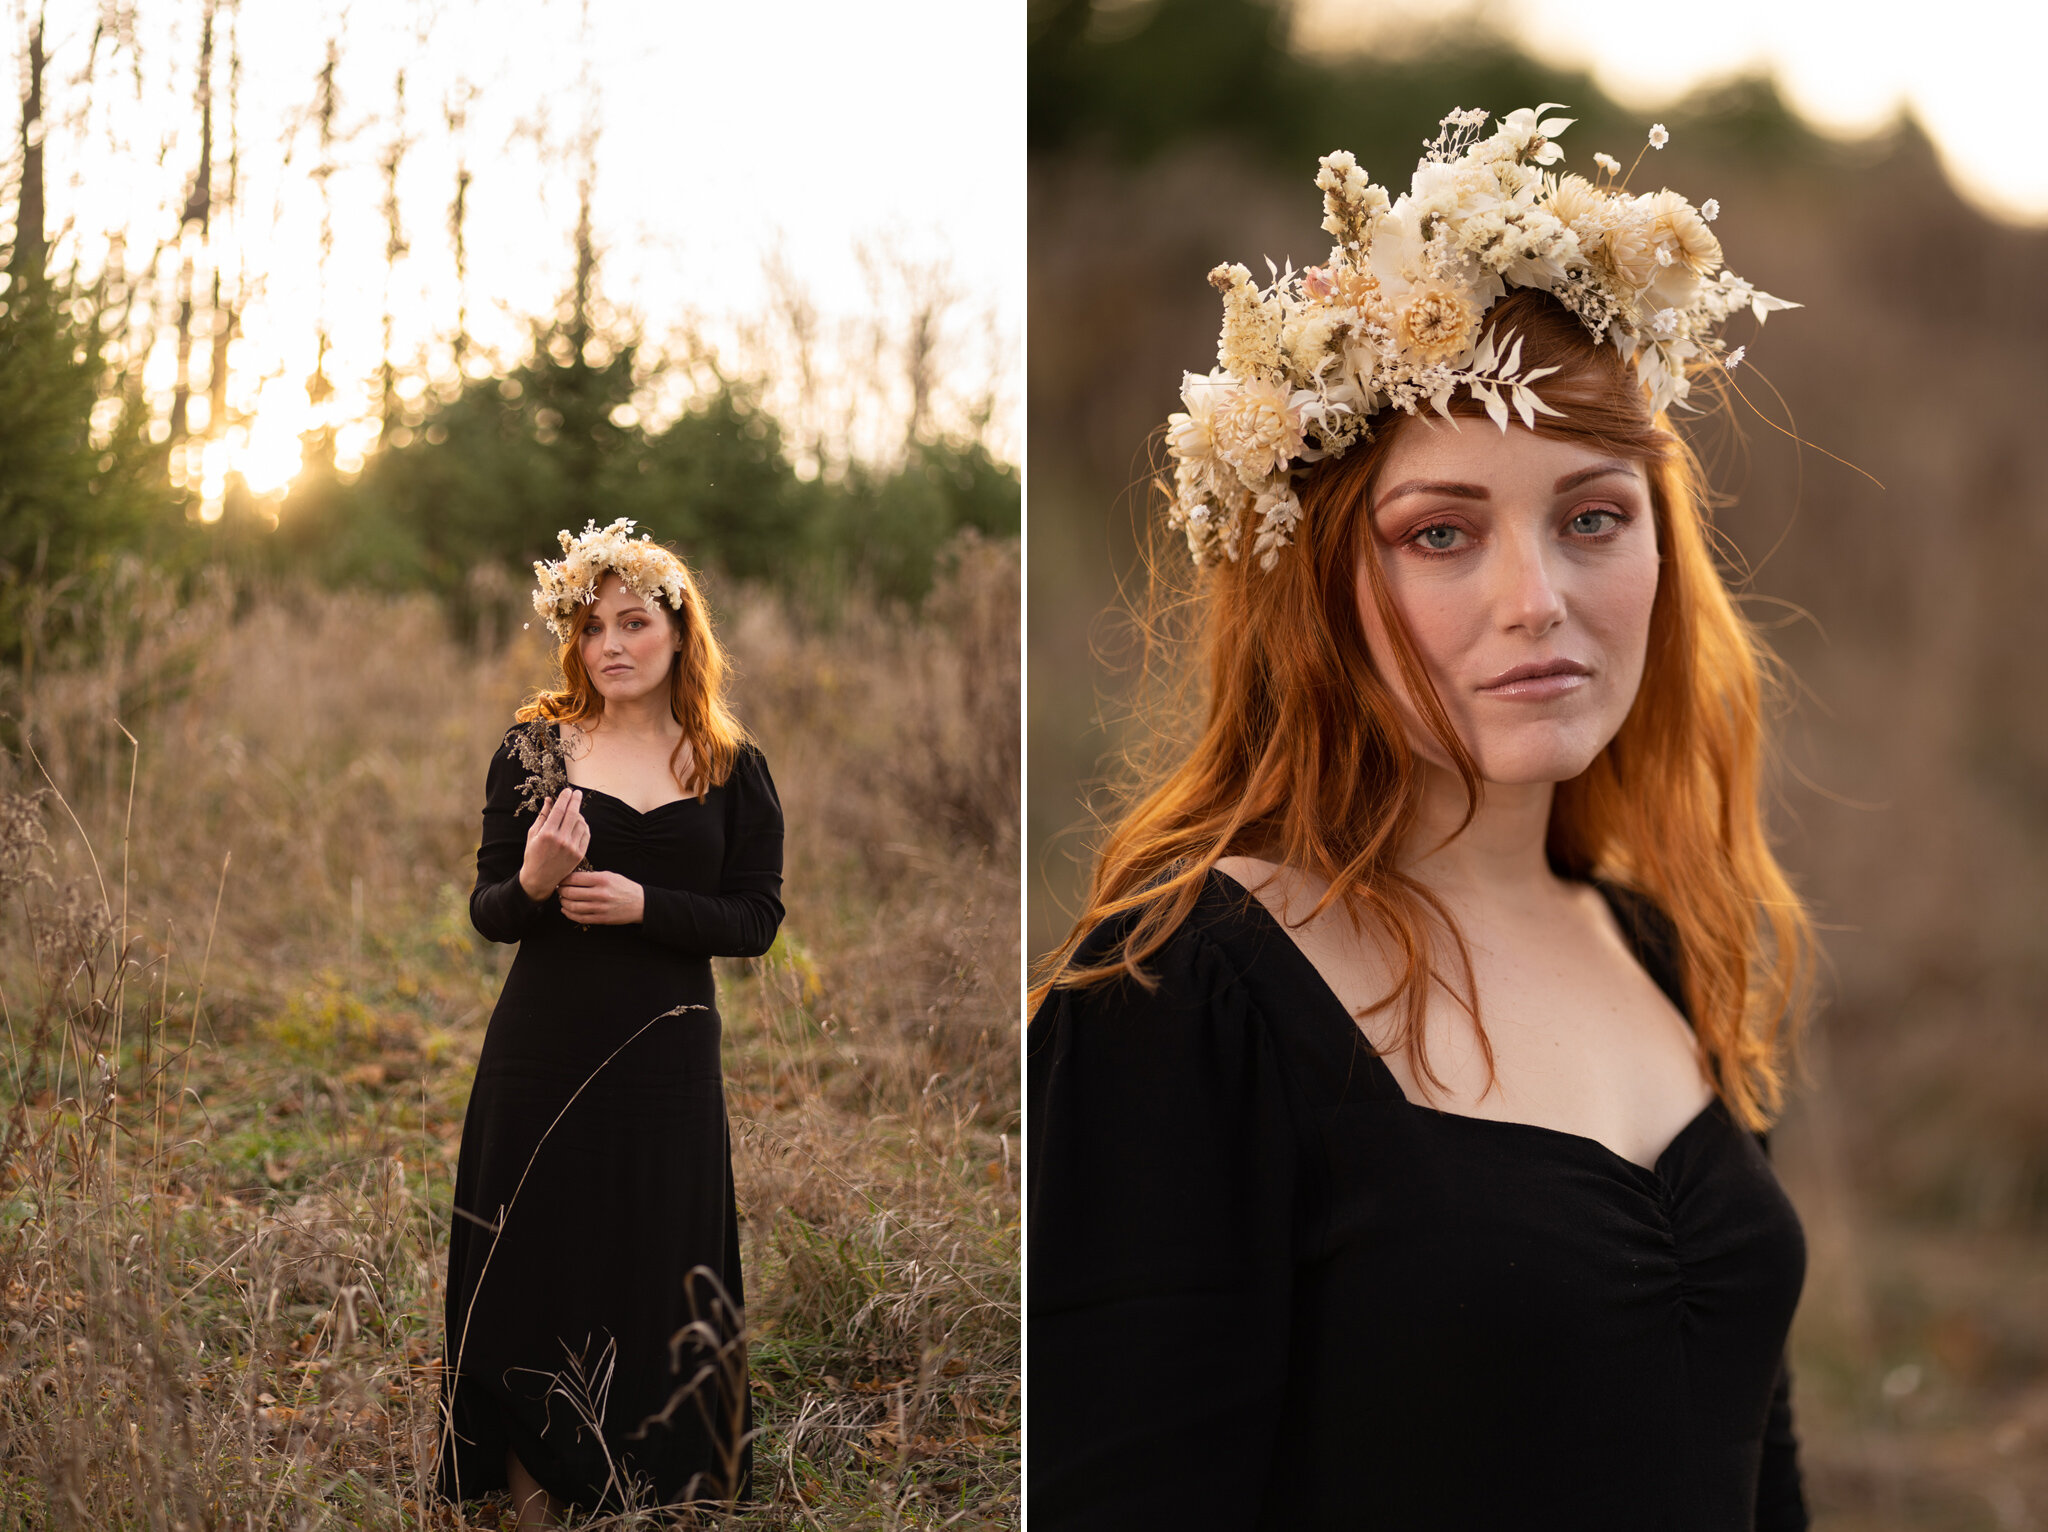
[(1538, 681)]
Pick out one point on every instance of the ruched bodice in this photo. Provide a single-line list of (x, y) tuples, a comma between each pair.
[(1267, 1290)]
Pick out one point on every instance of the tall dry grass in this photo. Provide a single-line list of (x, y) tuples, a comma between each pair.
[(243, 1004)]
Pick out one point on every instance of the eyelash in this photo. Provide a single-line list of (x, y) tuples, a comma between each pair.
[(1618, 519)]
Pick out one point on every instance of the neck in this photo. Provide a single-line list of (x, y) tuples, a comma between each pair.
[(648, 716), (1502, 850)]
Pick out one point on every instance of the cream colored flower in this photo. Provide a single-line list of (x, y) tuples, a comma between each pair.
[(1659, 135), (1351, 203), (1436, 323), (1279, 513), (1257, 429), (1676, 223), (1308, 338), (1190, 435), (1249, 346), (1608, 163), (1576, 203), (1628, 251)]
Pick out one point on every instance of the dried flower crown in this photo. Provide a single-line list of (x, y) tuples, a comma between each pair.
[(649, 570), (1393, 319)]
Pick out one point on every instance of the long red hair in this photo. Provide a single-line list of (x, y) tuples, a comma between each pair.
[(697, 683), (1301, 757)]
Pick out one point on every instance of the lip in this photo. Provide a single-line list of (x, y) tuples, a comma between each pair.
[(614, 670), (1538, 681)]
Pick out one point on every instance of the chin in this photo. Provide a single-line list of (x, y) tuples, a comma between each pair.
[(1532, 756)]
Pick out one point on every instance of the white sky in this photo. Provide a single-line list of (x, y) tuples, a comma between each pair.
[(1970, 70), (727, 131)]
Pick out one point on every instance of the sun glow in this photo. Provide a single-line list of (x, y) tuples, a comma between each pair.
[(1848, 72), (326, 243)]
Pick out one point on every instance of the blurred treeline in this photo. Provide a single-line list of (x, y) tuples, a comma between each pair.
[(472, 472), (1168, 135)]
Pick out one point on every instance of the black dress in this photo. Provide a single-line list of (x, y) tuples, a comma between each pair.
[(596, 1147), (1268, 1291)]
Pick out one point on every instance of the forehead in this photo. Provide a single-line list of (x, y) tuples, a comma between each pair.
[(1472, 451), (615, 595)]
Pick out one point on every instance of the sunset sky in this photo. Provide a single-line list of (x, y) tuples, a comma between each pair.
[(724, 133), (1969, 69)]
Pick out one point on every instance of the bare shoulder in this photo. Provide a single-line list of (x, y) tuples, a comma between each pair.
[(1287, 893), (1351, 962)]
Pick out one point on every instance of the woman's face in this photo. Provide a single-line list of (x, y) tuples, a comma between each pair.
[(627, 644), (1524, 567)]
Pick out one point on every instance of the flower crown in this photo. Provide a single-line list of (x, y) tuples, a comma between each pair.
[(649, 570), (1393, 318)]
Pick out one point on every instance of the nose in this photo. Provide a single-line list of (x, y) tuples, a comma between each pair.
[(1527, 598)]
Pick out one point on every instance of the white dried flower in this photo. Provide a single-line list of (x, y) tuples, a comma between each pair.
[(1250, 344), (1710, 209), (1608, 163), (1735, 357), (1257, 429), (1659, 135)]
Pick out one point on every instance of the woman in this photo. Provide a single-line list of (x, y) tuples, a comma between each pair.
[(1394, 1105), (631, 834)]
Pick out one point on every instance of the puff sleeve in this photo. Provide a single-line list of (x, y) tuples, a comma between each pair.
[(741, 919), (1161, 1170), (498, 906)]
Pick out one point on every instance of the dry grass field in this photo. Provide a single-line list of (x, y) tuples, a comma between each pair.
[(243, 1001)]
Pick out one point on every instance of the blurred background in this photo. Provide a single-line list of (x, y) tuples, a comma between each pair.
[(1870, 166), (317, 322)]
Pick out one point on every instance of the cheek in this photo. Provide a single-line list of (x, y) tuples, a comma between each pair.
[(1440, 625), (1617, 607)]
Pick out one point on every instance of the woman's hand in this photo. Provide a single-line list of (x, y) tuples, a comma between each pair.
[(555, 845), (602, 899)]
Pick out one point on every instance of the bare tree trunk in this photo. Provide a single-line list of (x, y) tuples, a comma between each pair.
[(227, 318), (31, 250), (394, 250), (198, 210), (791, 304), (457, 116), (325, 104)]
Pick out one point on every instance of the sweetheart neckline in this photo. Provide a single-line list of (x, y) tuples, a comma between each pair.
[(622, 803), (1328, 996)]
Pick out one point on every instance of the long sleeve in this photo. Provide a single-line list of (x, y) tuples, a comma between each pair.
[(741, 919), (1780, 1498), (498, 906), (1162, 1169)]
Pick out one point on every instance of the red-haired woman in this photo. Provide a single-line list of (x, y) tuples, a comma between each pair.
[(631, 833), (1395, 1105)]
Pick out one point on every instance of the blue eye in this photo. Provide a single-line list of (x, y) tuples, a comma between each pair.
[(1437, 539), (1593, 523)]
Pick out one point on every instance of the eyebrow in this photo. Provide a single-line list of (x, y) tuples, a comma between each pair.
[(1458, 491)]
